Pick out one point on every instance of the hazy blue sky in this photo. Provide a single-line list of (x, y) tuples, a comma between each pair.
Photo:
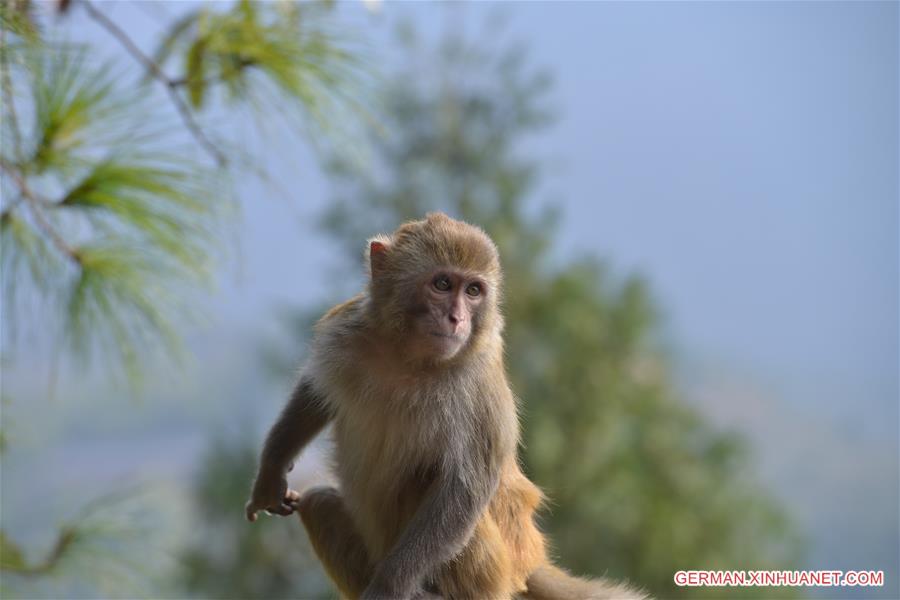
[(744, 158)]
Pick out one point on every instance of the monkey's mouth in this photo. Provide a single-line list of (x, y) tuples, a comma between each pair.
[(445, 336)]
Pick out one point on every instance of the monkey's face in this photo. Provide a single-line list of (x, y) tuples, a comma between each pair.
[(435, 286), (448, 308)]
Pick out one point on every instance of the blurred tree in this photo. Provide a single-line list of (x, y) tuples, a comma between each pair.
[(640, 485), (115, 187), (111, 547), (228, 558)]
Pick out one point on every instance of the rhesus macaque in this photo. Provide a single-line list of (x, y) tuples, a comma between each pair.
[(432, 501)]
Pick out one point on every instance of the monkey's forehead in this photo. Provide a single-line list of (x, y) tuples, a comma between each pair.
[(465, 248)]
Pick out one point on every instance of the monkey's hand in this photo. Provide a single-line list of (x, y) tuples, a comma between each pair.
[(271, 494)]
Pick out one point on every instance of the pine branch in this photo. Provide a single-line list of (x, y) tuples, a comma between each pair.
[(183, 81), (36, 209), (171, 85), (11, 114), (10, 104), (7, 210), (64, 540)]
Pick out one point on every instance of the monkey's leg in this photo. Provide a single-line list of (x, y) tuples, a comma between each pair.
[(335, 540), (337, 543)]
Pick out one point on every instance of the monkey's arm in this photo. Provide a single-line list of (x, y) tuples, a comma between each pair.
[(437, 532), (301, 419)]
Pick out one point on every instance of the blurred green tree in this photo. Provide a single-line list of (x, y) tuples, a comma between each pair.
[(228, 558), (115, 185), (640, 485)]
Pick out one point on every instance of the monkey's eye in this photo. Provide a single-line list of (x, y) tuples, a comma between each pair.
[(474, 289), (441, 283)]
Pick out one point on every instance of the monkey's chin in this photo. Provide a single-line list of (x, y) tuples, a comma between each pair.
[(444, 347)]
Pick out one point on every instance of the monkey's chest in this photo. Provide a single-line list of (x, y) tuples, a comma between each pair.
[(380, 447), (385, 460), (385, 429)]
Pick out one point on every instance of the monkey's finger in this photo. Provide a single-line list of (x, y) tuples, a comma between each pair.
[(250, 511), (289, 507), (282, 509), (291, 496)]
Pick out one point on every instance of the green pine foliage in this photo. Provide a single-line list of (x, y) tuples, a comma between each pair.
[(108, 218), (111, 547), (280, 58), (114, 197), (99, 219)]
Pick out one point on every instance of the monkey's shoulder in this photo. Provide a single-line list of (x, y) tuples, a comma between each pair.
[(346, 313)]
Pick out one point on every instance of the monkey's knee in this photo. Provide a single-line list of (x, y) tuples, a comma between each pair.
[(335, 539), (321, 511), (317, 500)]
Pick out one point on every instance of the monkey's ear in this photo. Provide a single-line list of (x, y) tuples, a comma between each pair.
[(377, 254)]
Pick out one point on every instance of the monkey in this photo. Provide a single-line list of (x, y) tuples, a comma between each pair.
[(410, 375)]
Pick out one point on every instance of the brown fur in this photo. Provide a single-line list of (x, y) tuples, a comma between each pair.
[(432, 498), (549, 582)]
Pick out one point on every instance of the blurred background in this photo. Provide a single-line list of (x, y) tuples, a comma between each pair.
[(696, 206)]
